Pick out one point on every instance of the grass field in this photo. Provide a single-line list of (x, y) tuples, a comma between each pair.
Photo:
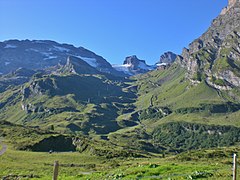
[(205, 164)]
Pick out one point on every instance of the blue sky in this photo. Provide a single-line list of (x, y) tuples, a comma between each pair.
[(113, 29)]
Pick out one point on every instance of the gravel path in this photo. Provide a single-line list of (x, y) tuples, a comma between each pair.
[(4, 148)]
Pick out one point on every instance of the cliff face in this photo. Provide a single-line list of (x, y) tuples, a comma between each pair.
[(231, 3), (167, 57), (215, 56)]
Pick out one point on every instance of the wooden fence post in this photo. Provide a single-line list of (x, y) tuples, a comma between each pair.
[(234, 167), (55, 170)]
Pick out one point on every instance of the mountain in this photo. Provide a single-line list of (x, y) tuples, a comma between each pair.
[(167, 58), (198, 95), (17, 77), (23, 75), (192, 104), (75, 97), (132, 66), (46, 54), (191, 108), (215, 56), (76, 65), (41, 54)]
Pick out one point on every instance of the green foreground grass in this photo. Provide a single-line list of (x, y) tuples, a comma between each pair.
[(204, 164)]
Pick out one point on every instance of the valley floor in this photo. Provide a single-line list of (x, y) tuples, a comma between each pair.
[(201, 164)]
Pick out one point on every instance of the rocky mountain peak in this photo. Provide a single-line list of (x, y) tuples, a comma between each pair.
[(167, 58), (214, 56), (132, 66), (78, 66), (133, 61)]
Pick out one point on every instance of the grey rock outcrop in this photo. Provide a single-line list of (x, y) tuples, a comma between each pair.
[(78, 66), (231, 3), (216, 54), (167, 57), (133, 61), (132, 66), (135, 65)]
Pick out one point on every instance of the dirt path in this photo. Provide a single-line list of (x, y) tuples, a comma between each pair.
[(4, 148)]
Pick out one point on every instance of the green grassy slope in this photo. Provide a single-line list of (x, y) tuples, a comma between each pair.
[(198, 103), (122, 111), (170, 88), (68, 102), (212, 164), (166, 97)]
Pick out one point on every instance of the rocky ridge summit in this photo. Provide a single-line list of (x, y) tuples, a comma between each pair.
[(132, 66), (231, 3), (42, 54), (167, 58), (76, 65), (215, 56)]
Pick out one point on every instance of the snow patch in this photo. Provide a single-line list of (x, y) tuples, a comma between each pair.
[(50, 57), (91, 61), (144, 66), (38, 51), (10, 46), (39, 41), (7, 63), (122, 68), (48, 54), (60, 49), (125, 68), (162, 64), (31, 49)]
